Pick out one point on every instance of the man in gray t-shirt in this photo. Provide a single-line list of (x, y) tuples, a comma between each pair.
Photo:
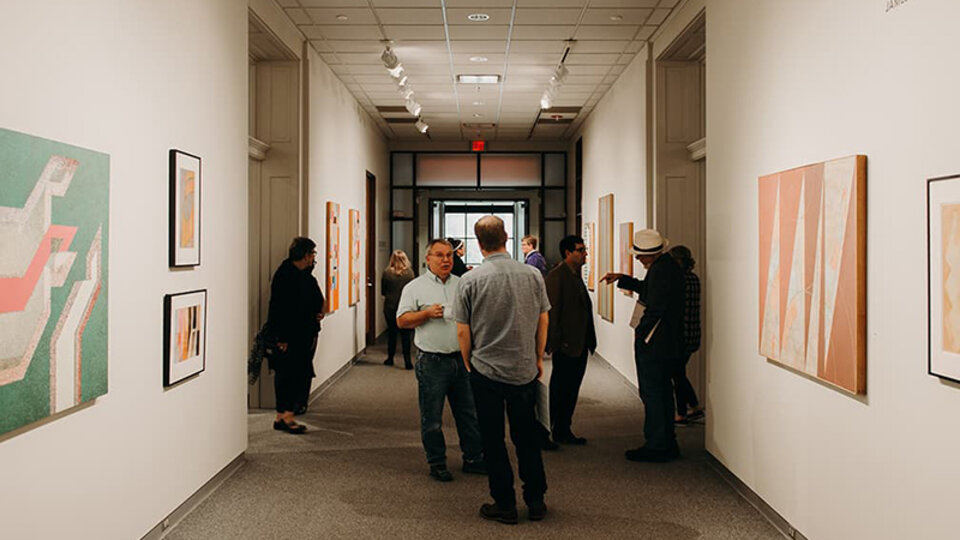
[(501, 313)]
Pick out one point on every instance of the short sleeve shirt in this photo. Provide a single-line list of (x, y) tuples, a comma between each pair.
[(434, 335), (502, 300)]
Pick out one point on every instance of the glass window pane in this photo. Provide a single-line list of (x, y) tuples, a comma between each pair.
[(554, 203), (472, 219), (403, 237), (455, 225), (473, 256), (403, 169), (403, 203), (511, 248), (553, 165), (507, 222), (509, 170), (446, 170), (554, 231)]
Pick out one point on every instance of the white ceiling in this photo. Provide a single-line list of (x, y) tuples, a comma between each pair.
[(523, 41)]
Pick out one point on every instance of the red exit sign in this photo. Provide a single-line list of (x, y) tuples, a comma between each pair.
[(478, 146)]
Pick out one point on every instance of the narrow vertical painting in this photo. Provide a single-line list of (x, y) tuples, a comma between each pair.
[(604, 257), (812, 278), (590, 269), (333, 257), (626, 256), (184, 330), (184, 209), (354, 256), (943, 277), (54, 239)]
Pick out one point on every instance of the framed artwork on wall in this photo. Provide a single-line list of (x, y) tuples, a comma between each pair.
[(943, 277), (185, 335), (333, 257), (626, 256), (54, 277), (589, 269), (184, 209), (354, 295), (604, 257), (813, 294)]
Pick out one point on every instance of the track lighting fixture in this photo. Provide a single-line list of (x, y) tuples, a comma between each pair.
[(389, 59), (422, 126), (545, 101), (412, 106)]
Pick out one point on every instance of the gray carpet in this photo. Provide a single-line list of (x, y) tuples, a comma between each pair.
[(360, 473)]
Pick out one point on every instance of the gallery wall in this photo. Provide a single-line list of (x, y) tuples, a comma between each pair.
[(344, 143), (615, 161), (793, 83), (133, 80)]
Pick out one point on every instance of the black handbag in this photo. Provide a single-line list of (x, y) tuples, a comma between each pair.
[(264, 347)]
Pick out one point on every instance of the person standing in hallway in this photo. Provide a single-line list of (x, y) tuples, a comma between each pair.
[(528, 244), (501, 314), (459, 267), (570, 337), (426, 305), (296, 309), (397, 274), (686, 397), (657, 342)]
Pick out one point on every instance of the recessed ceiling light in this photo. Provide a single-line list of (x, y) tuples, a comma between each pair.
[(616, 17), (478, 104), (477, 115), (342, 17), (479, 59), (478, 79), (478, 17)]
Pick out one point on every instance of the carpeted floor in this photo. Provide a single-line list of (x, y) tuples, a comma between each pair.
[(360, 472)]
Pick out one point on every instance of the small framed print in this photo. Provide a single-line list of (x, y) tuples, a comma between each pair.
[(184, 209), (943, 277), (185, 335)]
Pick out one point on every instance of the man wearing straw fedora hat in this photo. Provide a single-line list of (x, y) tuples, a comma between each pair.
[(658, 341)]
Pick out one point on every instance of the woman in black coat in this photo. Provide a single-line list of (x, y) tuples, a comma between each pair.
[(296, 308)]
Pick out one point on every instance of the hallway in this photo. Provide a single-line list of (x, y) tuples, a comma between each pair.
[(360, 473)]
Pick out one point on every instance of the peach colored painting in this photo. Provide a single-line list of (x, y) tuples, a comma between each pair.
[(626, 256), (950, 247), (812, 272)]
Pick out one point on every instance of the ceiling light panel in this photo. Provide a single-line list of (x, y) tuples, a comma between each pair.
[(548, 16), (629, 16), (476, 5), (419, 16), (478, 78), (329, 16), (459, 16), (606, 33)]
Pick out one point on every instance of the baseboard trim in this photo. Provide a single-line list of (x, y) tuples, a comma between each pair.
[(168, 523), (331, 380), (742, 489)]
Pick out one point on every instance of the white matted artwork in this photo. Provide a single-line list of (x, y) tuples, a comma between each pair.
[(184, 209), (605, 249), (943, 276), (185, 335)]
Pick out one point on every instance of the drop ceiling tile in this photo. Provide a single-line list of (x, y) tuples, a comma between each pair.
[(588, 70), (547, 16), (531, 69), (344, 32), (645, 32), (329, 16), (623, 3), (435, 89), (411, 16), (492, 59), (476, 5), (531, 32), (478, 32), (414, 32), (288, 3), (618, 69), (550, 3), (298, 16), (433, 80), (458, 16), (531, 58), (483, 47), (659, 15), (606, 32), (360, 58), (321, 45), (381, 88), (341, 46), (374, 79), (592, 46), (634, 47), (361, 69), (331, 3), (610, 79), (591, 59), (418, 70), (405, 3), (606, 16), (330, 59), (553, 46), (626, 58), (574, 80)]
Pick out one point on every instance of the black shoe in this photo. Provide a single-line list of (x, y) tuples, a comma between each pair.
[(650, 455), (407, 365), (474, 467), (293, 429), (570, 438), (388, 362), (495, 513), (301, 410), (549, 445), (440, 473), (537, 511)]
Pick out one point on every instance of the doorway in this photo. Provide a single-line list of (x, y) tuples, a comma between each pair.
[(371, 243), (456, 219)]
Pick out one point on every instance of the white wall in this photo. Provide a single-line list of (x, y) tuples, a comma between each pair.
[(791, 83), (615, 161), (134, 79), (344, 144)]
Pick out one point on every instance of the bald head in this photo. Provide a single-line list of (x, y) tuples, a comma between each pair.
[(490, 233)]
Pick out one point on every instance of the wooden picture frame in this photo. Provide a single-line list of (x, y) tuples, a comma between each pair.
[(333, 258), (943, 277), (184, 335), (185, 209)]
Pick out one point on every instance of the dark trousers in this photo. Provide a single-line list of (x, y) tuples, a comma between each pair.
[(653, 375), (493, 398), (443, 377), (686, 397), (565, 382), (292, 372), (392, 331)]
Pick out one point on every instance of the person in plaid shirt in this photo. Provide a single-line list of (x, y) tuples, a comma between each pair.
[(686, 397)]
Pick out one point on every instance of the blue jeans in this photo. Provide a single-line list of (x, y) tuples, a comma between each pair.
[(656, 391), (441, 376)]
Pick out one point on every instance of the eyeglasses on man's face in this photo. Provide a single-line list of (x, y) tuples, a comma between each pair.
[(581, 249)]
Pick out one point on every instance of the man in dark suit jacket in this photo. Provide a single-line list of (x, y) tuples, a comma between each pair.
[(657, 343), (569, 336)]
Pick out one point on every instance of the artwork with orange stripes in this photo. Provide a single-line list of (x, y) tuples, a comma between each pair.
[(943, 279), (54, 236), (333, 257), (813, 270), (185, 328)]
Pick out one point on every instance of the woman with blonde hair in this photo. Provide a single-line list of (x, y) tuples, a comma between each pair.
[(397, 274)]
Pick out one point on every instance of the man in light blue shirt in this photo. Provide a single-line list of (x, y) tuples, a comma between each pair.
[(426, 305)]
